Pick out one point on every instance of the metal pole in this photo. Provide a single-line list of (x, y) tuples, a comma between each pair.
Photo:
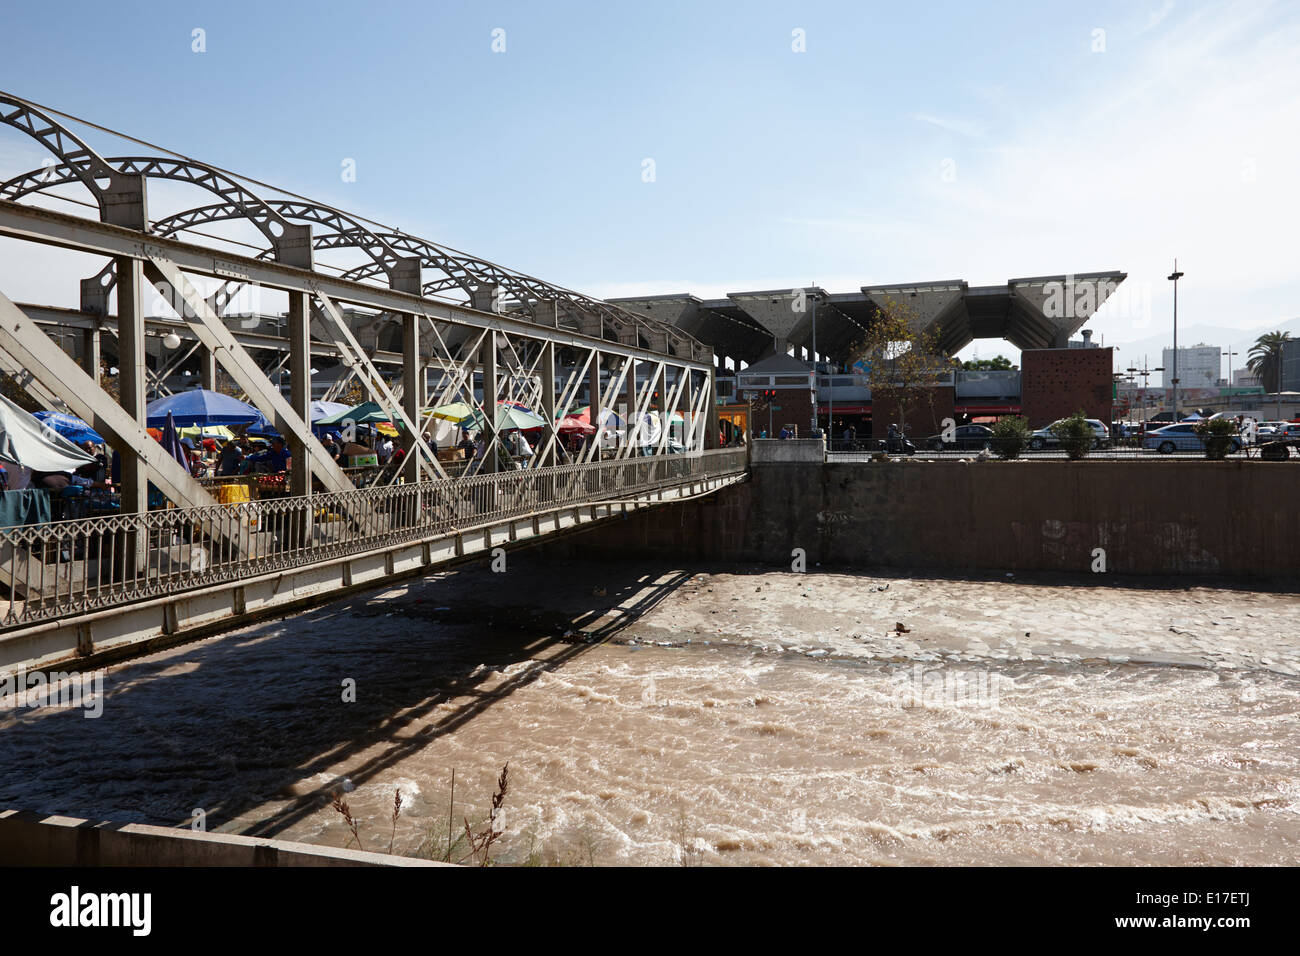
[(131, 363), (548, 398), (830, 408), (816, 372), (413, 380), (1174, 277), (594, 403), (488, 361), (1230, 353)]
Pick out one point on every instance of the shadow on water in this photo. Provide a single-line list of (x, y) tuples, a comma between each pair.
[(247, 719), (247, 725)]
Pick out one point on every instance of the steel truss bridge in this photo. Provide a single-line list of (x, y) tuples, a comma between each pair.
[(86, 586)]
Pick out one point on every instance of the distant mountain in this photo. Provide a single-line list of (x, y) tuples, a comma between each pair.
[(1240, 340), (1152, 346)]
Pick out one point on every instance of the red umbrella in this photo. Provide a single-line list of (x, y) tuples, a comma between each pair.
[(609, 418), (571, 424)]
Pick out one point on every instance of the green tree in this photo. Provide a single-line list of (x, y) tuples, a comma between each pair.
[(903, 360), (1075, 435), (1265, 362), (998, 364), (1010, 435)]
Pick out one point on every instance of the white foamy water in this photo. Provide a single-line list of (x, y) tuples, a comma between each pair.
[(864, 746)]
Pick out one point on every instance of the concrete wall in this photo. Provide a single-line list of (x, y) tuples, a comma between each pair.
[(1150, 517), (32, 839), (787, 451)]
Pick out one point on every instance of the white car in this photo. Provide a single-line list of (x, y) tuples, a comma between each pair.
[(1269, 430)]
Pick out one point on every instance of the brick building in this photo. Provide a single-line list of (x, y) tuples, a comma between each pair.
[(1055, 383), (791, 379), (924, 417)]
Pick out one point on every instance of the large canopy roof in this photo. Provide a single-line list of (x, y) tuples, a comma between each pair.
[(1030, 313)]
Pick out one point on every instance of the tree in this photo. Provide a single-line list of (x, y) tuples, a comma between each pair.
[(1010, 435), (903, 361), (1265, 362), (999, 364), (1075, 435)]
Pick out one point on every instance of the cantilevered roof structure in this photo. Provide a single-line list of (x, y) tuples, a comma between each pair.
[(1030, 313)]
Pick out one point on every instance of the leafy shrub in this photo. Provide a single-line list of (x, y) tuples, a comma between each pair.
[(1218, 435), (1075, 435), (1010, 435)]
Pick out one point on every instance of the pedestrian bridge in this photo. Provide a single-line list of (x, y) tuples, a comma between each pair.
[(175, 560), (96, 589)]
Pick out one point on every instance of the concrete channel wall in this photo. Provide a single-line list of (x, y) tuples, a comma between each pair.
[(31, 839), (1149, 517)]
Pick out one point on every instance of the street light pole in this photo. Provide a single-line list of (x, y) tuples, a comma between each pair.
[(1230, 354), (816, 375), (1174, 277)]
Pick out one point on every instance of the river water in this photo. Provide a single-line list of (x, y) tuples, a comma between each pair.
[(714, 718)]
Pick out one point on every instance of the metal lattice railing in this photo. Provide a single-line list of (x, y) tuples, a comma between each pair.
[(67, 568)]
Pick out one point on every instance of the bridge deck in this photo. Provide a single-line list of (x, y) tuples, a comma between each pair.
[(73, 588)]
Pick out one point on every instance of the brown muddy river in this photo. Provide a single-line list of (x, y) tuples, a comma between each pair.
[(718, 719)]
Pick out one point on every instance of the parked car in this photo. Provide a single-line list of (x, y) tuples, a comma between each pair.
[(1267, 431), (1180, 437), (1043, 438), (965, 438)]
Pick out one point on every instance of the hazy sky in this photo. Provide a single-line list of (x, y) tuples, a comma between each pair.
[(903, 142)]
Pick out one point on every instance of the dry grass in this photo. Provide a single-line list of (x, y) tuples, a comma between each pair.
[(397, 812), (480, 842), (345, 811)]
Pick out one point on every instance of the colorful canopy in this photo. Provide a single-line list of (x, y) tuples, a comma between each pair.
[(456, 412), (69, 426), (608, 417), (510, 416), (25, 441), (367, 413), (571, 424), (321, 410), (200, 406), (207, 431)]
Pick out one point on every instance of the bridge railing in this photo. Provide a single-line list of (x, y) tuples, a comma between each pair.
[(76, 567)]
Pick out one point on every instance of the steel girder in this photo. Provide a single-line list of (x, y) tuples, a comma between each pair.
[(517, 344), (514, 342), (291, 242), (84, 235), (470, 275)]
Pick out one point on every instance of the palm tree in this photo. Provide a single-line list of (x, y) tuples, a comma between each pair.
[(1266, 362)]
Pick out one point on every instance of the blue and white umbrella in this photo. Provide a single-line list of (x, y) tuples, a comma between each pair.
[(69, 426)]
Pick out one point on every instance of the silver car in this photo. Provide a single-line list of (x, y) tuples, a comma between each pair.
[(1043, 438)]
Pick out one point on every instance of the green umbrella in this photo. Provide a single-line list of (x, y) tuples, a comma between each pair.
[(455, 412), (367, 413), (511, 416)]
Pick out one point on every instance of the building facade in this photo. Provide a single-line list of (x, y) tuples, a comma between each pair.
[(1198, 366)]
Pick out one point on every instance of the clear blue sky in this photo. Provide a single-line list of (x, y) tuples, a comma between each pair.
[(908, 142)]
